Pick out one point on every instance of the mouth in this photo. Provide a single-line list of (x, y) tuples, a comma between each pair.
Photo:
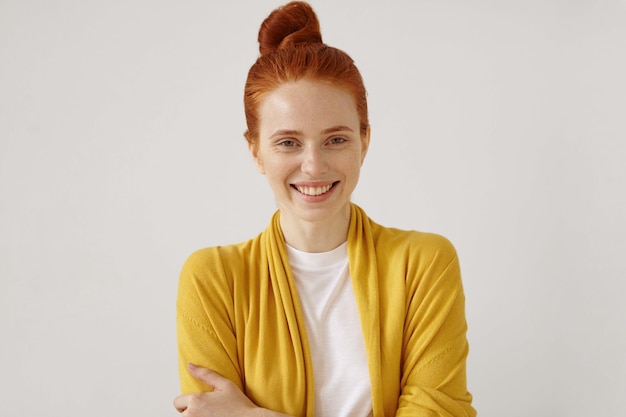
[(314, 191)]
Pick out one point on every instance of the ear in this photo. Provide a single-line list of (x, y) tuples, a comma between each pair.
[(365, 144), (253, 147)]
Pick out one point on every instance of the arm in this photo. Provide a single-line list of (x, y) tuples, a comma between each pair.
[(435, 345), (205, 333), (225, 400)]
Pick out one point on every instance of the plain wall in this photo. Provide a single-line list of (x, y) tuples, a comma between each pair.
[(499, 124)]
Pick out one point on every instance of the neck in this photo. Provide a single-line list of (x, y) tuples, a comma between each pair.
[(316, 236)]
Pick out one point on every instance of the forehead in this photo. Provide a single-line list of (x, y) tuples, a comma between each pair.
[(307, 106)]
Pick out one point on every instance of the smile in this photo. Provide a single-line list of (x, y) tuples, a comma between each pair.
[(314, 191)]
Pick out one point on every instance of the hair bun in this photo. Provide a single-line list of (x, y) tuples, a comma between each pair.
[(293, 24)]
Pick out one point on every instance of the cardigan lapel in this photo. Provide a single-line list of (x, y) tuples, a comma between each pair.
[(364, 275), (291, 326)]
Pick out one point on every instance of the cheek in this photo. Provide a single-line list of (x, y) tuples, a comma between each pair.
[(355, 172), (352, 166), (277, 170)]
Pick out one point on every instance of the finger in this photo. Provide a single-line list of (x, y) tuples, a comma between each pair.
[(180, 403), (209, 377)]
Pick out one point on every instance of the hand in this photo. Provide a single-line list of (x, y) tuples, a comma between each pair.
[(226, 400)]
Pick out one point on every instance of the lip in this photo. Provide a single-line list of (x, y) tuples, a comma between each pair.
[(314, 187)]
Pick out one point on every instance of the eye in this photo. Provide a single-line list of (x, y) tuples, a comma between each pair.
[(287, 143), (337, 140)]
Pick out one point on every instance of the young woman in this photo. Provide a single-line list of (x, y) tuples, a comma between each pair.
[(325, 313)]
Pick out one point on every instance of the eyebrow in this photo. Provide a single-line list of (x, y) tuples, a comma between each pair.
[(288, 132)]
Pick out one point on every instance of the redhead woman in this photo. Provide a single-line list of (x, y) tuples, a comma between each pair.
[(326, 313)]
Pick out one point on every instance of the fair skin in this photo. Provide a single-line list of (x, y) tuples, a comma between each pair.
[(226, 400), (310, 149)]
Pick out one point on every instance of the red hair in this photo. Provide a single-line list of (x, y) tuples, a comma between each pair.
[(291, 49)]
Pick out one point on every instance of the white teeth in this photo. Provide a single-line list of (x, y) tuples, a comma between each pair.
[(313, 190)]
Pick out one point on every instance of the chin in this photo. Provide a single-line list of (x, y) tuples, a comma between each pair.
[(323, 213)]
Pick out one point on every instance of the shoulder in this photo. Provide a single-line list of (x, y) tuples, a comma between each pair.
[(422, 261), (214, 268), (212, 257), (393, 242)]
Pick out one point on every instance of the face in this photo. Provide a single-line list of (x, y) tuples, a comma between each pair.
[(310, 149)]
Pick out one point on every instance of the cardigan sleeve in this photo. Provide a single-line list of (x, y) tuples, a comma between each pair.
[(435, 346), (204, 325)]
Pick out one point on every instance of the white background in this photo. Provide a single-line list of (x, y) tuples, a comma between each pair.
[(500, 124)]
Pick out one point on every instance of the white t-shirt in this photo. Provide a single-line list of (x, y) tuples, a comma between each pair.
[(342, 384)]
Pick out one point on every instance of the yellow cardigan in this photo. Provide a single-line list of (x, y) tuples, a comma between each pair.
[(238, 314)]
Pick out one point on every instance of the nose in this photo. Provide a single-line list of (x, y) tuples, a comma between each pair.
[(314, 162)]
